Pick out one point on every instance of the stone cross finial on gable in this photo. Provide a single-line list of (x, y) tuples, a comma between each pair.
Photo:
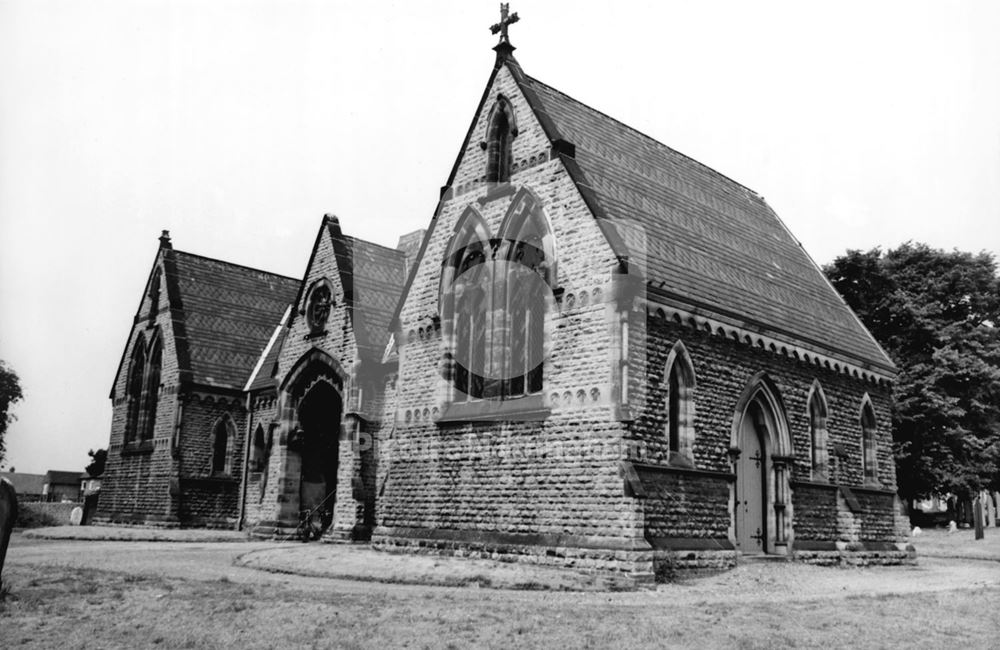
[(505, 22)]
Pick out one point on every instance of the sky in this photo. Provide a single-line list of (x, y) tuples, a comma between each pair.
[(237, 124)]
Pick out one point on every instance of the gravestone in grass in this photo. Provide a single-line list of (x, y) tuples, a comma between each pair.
[(977, 516), (8, 515)]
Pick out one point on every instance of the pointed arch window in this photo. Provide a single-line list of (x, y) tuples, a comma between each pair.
[(817, 433), (680, 404), (259, 451), (154, 295), (222, 440), (501, 131), (133, 390), (151, 392), (869, 446), (465, 297), (527, 282), (495, 295)]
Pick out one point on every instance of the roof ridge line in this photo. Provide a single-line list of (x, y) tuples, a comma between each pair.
[(372, 243), (646, 136), (242, 266)]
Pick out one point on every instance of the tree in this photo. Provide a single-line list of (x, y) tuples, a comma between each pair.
[(936, 314), (97, 460), (10, 394)]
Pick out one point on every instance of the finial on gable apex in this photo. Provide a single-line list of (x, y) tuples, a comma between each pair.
[(165, 240), (504, 48), (330, 220)]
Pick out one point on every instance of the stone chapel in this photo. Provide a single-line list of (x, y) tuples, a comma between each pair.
[(599, 352)]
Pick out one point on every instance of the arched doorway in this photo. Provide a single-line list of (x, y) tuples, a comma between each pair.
[(751, 484), (318, 446), (762, 453)]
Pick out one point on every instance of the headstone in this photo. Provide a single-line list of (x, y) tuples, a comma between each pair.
[(952, 526), (916, 531), (76, 516), (977, 516), (8, 515)]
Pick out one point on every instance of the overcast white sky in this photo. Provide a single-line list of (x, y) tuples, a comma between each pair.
[(237, 125)]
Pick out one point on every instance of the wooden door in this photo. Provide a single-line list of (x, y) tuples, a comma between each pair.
[(751, 531)]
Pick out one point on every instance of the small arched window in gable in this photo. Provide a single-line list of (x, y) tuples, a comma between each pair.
[(221, 445), (133, 390), (500, 132), (869, 445), (817, 432), (680, 405), (154, 295)]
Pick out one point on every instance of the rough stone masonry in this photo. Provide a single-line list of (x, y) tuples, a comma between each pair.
[(599, 353)]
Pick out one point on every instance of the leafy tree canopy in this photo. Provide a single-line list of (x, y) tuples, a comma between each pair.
[(10, 394), (936, 313), (97, 460)]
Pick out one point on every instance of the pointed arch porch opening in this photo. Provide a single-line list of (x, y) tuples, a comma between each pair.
[(311, 409)]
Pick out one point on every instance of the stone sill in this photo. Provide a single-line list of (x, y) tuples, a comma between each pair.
[(137, 448), (522, 409)]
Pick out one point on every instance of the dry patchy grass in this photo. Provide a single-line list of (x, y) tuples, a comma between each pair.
[(74, 607)]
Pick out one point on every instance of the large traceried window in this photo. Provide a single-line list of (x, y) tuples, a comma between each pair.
[(680, 377), (869, 447), (817, 432), (494, 297), (133, 390)]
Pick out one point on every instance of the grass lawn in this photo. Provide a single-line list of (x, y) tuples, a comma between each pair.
[(938, 542), (51, 606)]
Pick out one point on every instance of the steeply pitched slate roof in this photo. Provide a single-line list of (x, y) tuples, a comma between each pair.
[(375, 274), (372, 277), (709, 241), (263, 377), (228, 313)]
